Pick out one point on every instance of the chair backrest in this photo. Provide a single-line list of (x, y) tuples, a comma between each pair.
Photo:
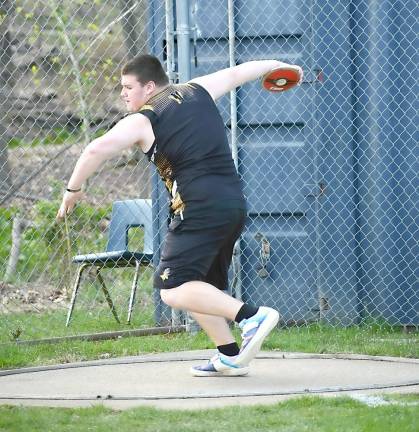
[(128, 214)]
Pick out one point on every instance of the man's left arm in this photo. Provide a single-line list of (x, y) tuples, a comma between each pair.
[(223, 81)]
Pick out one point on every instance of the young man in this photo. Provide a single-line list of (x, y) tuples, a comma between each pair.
[(181, 131)]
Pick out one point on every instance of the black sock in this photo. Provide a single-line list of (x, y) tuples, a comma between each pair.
[(246, 311), (230, 349)]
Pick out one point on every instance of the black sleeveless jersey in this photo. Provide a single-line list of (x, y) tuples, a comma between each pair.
[(191, 151)]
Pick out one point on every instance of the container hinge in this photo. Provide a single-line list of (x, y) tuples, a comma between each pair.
[(315, 190), (264, 254)]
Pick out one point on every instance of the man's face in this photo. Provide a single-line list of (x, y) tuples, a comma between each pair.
[(135, 94)]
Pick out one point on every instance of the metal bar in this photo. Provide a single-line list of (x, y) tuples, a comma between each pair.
[(183, 40), (237, 282), (183, 33), (133, 290), (74, 295), (233, 94), (107, 296), (184, 73), (151, 331), (170, 42)]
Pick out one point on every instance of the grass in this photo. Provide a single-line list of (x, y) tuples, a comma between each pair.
[(412, 398), (364, 339), (303, 414), (91, 313), (29, 326), (313, 339)]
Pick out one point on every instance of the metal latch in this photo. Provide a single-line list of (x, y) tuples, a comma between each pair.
[(323, 305), (264, 254), (313, 76), (315, 191), (194, 29)]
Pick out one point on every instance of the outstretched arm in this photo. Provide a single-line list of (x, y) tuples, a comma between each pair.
[(134, 129), (223, 81)]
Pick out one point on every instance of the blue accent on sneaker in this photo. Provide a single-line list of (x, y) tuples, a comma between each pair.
[(224, 360), (220, 365), (254, 331), (252, 324), (209, 367)]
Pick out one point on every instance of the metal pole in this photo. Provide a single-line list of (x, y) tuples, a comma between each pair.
[(237, 283), (233, 94), (183, 40), (170, 42), (183, 34)]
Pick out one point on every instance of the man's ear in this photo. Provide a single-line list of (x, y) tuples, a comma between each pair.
[(150, 87)]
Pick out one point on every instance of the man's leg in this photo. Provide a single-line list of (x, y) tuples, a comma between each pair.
[(207, 255), (223, 363), (210, 307), (216, 328), (202, 298), (205, 299)]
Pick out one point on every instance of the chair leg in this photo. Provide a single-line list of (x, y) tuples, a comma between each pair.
[(74, 294), (107, 296), (133, 290)]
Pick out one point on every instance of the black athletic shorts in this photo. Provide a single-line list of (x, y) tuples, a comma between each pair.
[(200, 249)]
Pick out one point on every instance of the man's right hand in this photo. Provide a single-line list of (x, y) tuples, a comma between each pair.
[(69, 201)]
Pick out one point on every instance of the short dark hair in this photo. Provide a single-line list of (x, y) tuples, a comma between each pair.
[(146, 68)]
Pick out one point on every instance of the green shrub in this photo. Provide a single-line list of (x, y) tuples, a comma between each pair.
[(47, 246), (53, 137), (6, 222)]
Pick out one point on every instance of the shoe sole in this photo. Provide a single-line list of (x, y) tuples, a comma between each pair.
[(230, 372), (255, 344)]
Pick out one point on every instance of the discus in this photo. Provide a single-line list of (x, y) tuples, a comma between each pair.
[(282, 78)]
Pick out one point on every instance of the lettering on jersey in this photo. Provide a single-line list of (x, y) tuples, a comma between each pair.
[(176, 96)]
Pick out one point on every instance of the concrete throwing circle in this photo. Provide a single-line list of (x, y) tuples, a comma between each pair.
[(166, 377)]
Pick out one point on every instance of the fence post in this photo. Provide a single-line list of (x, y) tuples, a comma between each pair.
[(170, 42), (183, 40), (18, 225), (183, 34), (236, 283)]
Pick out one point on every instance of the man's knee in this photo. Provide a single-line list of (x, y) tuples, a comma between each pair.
[(168, 296)]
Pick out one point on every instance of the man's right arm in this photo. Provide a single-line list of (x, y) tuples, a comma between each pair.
[(223, 81), (132, 130)]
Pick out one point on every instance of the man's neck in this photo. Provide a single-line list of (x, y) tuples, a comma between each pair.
[(157, 91)]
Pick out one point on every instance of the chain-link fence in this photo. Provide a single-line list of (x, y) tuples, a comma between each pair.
[(328, 169)]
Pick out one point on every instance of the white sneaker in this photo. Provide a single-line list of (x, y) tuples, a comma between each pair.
[(254, 331), (219, 365)]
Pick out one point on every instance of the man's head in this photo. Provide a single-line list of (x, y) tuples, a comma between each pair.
[(141, 78)]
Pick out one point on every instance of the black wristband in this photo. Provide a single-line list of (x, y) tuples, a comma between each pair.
[(73, 190)]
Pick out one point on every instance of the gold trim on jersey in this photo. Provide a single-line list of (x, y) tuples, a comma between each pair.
[(176, 96), (147, 107), (176, 203), (165, 172)]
